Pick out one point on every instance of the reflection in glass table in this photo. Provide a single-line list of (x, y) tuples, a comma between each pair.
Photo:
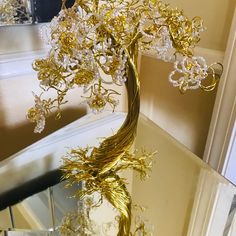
[(182, 197)]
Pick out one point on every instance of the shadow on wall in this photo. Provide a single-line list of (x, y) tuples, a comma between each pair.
[(14, 139), (186, 117)]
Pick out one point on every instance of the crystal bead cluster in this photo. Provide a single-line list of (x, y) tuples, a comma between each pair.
[(94, 36), (191, 71)]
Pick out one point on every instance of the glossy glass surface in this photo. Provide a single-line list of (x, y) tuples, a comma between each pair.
[(39, 214), (183, 196)]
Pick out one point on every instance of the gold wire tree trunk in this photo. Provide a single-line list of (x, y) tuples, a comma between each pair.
[(95, 36), (113, 155)]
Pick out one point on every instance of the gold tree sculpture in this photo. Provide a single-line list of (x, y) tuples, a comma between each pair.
[(13, 12), (104, 36)]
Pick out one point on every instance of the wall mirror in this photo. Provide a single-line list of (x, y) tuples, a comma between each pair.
[(21, 12)]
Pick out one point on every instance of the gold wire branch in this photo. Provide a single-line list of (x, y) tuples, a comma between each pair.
[(105, 36)]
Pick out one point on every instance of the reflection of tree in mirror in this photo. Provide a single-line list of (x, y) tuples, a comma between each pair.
[(45, 10), (15, 12)]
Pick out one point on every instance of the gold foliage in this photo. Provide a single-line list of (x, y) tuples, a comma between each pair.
[(79, 166), (101, 36), (95, 36)]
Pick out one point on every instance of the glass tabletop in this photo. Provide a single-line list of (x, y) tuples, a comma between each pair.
[(182, 197)]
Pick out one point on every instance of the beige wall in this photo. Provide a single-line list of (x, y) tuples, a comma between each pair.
[(186, 117), (168, 193), (16, 95), (16, 98)]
